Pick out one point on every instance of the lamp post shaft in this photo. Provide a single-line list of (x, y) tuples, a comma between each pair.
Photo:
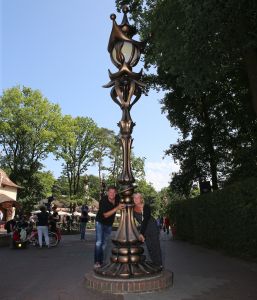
[(127, 258)]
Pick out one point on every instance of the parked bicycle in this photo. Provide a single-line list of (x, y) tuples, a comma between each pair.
[(69, 226), (32, 238)]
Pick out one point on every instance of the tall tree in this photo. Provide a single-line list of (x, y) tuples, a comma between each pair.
[(115, 168), (198, 41), (40, 188), (205, 56), (30, 129), (77, 149), (106, 140)]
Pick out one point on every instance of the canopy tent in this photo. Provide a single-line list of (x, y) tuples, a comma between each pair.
[(76, 213), (60, 213), (63, 213), (92, 214), (36, 212)]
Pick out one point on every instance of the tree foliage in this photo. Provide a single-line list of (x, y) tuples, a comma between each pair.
[(104, 148), (30, 128), (206, 61), (77, 149)]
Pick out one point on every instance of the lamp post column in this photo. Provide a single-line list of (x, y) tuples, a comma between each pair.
[(127, 258)]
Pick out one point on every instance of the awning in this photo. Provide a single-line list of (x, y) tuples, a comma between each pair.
[(7, 202)]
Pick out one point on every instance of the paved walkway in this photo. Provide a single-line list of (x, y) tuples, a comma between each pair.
[(199, 274)]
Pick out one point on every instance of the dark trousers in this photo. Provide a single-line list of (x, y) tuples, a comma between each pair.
[(153, 246), (82, 228)]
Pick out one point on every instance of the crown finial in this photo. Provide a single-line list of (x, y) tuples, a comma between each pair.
[(125, 9), (113, 17)]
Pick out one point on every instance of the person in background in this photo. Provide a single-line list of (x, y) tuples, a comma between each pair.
[(68, 222), (83, 224), (21, 227), (84, 207), (161, 222), (55, 218), (166, 227), (9, 226), (148, 229), (42, 226), (108, 207)]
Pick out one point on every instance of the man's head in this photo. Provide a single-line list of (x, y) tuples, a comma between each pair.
[(111, 192)]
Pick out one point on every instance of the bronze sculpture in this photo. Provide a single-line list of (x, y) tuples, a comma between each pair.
[(127, 260)]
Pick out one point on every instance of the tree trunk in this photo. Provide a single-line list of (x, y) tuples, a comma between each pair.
[(77, 183), (209, 145), (69, 179), (213, 166), (251, 67)]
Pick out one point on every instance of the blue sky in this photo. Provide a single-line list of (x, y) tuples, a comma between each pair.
[(60, 48)]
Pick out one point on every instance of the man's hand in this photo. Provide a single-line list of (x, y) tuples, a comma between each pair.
[(113, 211), (121, 206)]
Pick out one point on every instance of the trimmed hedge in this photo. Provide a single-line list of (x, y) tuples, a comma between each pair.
[(225, 219)]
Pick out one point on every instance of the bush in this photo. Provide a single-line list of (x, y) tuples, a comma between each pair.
[(225, 219)]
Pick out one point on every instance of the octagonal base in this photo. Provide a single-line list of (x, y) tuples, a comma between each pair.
[(136, 285)]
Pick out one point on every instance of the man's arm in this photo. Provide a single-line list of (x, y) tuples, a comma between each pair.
[(113, 211)]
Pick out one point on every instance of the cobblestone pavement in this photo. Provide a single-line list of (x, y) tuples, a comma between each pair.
[(58, 273)]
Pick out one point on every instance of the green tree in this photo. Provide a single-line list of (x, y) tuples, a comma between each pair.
[(147, 190), (206, 60), (199, 41), (40, 187), (30, 128), (62, 184), (77, 150), (138, 167), (106, 142), (46, 182), (93, 189), (165, 197)]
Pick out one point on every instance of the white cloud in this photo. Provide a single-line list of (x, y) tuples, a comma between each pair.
[(159, 172)]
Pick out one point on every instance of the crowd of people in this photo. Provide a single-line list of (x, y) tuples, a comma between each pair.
[(22, 225), (48, 219)]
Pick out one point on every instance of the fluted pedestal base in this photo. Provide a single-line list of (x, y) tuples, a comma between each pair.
[(129, 270), (112, 285)]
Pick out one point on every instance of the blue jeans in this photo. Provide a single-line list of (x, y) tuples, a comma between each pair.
[(102, 234), (82, 230)]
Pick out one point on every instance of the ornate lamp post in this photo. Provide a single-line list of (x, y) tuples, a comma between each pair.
[(127, 260)]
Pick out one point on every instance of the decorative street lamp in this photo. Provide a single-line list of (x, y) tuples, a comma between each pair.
[(127, 260)]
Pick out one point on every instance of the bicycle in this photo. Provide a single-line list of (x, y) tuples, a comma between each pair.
[(32, 238), (69, 227)]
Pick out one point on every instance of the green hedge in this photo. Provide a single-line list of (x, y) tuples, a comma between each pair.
[(225, 219)]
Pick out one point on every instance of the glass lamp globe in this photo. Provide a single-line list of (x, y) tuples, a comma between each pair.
[(125, 52)]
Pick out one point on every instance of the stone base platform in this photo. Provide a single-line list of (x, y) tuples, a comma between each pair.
[(135, 285)]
